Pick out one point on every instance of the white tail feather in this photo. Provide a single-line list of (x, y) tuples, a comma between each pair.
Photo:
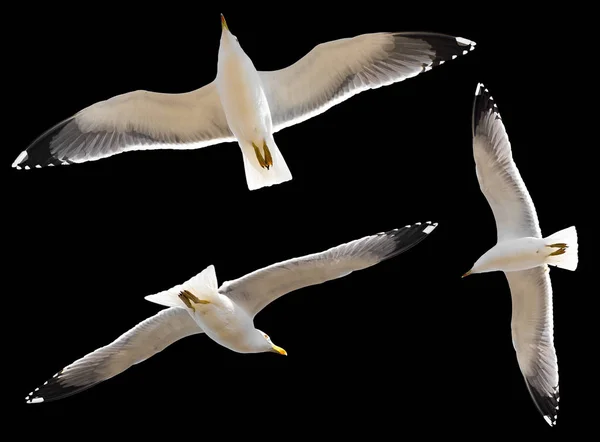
[(570, 258), (203, 285), (258, 177)]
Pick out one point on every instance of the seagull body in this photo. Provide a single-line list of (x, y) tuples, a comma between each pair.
[(513, 255), (522, 253), (221, 318), (243, 104), (226, 313), (248, 115)]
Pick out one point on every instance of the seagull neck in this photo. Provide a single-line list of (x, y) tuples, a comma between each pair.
[(229, 46)]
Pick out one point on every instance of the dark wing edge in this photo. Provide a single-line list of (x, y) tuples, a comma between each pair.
[(483, 103), (547, 405), (407, 237), (38, 153)]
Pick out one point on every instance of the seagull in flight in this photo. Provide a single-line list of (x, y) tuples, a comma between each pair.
[(243, 104), (226, 313), (522, 253)]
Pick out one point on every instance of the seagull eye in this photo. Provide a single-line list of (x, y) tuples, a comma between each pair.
[(266, 337)]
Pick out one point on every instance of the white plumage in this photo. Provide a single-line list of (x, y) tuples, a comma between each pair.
[(226, 313), (522, 253), (243, 104)]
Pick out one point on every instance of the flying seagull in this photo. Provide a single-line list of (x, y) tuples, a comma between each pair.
[(521, 253), (243, 104), (226, 313)]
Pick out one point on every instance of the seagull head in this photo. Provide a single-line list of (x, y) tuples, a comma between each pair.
[(477, 268), (224, 23), (486, 263), (267, 345), (229, 46), (226, 35)]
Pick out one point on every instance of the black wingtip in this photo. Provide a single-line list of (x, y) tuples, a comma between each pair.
[(448, 48), (546, 404), (54, 389), (482, 105), (445, 47), (38, 154), (409, 236)]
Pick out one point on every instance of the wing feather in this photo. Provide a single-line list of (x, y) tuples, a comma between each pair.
[(499, 178), (533, 337), (334, 71), (133, 121), (146, 339), (258, 289)]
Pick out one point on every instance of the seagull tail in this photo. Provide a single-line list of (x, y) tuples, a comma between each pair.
[(203, 286), (564, 249), (258, 176)]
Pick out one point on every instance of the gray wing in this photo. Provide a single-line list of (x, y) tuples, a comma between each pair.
[(256, 290), (499, 178), (335, 71), (133, 121), (532, 334), (149, 337)]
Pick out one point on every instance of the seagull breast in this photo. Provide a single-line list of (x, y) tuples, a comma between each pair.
[(225, 322), (242, 97)]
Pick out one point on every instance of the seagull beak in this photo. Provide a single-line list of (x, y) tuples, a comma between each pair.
[(224, 23), (466, 274), (279, 350)]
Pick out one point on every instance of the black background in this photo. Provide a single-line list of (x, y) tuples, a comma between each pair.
[(405, 346)]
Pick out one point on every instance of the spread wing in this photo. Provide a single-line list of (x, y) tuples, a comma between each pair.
[(335, 71), (258, 289), (532, 333), (138, 344), (132, 121), (499, 178)]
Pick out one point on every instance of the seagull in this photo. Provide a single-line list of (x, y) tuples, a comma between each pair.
[(243, 104), (522, 253), (226, 313)]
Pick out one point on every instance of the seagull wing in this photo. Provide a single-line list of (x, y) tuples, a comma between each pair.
[(532, 334), (256, 290), (335, 71), (149, 337), (499, 178), (133, 121)]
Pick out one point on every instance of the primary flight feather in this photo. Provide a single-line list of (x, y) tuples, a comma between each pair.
[(243, 104), (226, 313)]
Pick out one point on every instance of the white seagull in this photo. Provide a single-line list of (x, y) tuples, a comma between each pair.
[(225, 314), (521, 253), (243, 104)]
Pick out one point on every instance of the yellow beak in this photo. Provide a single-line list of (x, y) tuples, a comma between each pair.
[(223, 22), (279, 350), (466, 274)]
